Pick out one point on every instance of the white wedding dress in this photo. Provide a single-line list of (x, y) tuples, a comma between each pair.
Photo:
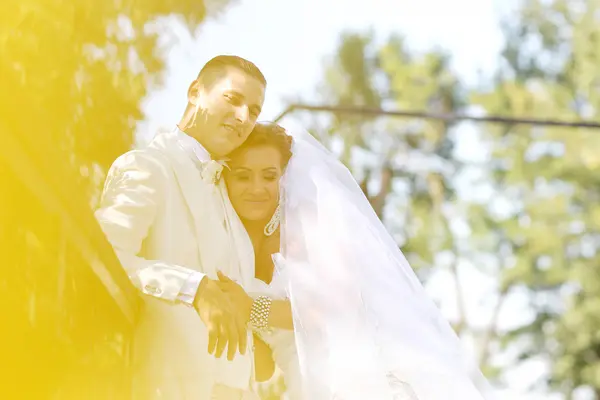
[(281, 341), (283, 346), (364, 328)]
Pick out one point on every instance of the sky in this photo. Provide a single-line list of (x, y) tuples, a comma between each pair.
[(290, 40)]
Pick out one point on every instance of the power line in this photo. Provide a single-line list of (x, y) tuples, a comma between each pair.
[(435, 116)]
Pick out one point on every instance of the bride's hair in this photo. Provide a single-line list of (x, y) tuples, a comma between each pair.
[(268, 134)]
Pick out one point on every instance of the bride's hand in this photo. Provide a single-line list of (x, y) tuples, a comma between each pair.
[(236, 294)]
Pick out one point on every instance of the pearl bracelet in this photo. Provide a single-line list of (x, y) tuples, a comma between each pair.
[(259, 314)]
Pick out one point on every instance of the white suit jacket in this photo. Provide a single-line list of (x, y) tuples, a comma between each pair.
[(164, 223)]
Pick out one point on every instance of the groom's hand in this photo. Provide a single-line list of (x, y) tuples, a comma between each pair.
[(226, 325), (237, 295)]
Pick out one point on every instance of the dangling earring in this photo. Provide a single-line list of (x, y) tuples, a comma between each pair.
[(273, 224)]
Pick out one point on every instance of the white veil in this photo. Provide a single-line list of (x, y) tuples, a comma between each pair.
[(364, 326)]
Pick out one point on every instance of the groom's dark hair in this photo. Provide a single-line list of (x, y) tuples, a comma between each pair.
[(217, 67)]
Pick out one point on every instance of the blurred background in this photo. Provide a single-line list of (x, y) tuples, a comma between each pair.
[(500, 219)]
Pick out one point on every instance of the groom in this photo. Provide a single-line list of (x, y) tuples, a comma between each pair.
[(166, 213)]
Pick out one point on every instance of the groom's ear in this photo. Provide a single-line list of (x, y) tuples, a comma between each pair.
[(193, 93)]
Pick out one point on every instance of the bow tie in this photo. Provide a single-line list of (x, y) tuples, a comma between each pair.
[(210, 171)]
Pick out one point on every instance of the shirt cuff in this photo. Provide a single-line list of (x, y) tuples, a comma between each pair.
[(190, 289)]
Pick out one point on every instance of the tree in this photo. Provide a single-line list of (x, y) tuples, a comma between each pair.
[(549, 177), (74, 73), (405, 167)]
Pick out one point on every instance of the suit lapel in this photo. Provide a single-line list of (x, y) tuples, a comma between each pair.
[(202, 201)]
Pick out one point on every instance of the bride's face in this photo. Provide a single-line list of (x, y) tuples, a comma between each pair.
[(253, 182)]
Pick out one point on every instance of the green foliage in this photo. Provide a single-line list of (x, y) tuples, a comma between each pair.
[(552, 56), (362, 72), (73, 75), (75, 72), (540, 232)]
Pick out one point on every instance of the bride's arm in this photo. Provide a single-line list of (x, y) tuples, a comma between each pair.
[(278, 312), (263, 360), (280, 315)]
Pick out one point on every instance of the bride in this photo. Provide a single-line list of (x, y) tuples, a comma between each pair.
[(334, 298)]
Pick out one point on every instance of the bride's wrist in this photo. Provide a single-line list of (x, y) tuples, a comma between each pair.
[(259, 313)]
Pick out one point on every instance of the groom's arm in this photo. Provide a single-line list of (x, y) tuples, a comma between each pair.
[(190, 288), (131, 199), (133, 191)]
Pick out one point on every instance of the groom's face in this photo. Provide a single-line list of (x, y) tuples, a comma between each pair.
[(228, 108)]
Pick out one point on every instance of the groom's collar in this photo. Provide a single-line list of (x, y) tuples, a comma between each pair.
[(192, 146)]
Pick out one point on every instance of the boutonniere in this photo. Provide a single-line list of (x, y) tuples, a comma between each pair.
[(212, 170)]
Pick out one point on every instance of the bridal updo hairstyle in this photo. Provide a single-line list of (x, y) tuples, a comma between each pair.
[(268, 134)]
